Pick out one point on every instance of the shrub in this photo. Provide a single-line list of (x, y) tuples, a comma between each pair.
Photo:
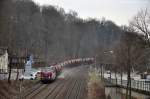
[(96, 89)]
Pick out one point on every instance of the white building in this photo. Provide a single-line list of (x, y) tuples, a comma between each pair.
[(3, 60)]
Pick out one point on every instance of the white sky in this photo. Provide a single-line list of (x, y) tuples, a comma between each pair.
[(119, 11)]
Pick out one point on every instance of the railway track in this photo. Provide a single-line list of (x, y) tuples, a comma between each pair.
[(70, 90), (47, 90), (63, 91), (57, 90), (66, 86), (36, 91), (72, 87), (40, 88)]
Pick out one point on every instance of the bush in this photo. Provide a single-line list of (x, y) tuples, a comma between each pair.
[(96, 89)]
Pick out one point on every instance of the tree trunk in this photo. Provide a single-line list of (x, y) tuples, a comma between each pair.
[(116, 78), (110, 76), (130, 87), (128, 90), (17, 74), (121, 77), (101, 71), (10, 67)]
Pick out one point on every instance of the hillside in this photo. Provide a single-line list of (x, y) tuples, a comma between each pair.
[(51, 33)]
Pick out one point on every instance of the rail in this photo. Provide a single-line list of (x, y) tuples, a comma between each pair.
[(143, 85)]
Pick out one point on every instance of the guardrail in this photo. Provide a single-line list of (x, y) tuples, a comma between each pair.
[(135, 84)]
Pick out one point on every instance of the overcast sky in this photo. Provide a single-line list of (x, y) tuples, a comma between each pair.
[(119, 11)]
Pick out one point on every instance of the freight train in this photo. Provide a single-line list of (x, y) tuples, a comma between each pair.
[(50, 73)]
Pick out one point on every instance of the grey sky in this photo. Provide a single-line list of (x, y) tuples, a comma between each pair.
[(119, 11)]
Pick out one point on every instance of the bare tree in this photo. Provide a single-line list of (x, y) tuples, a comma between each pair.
[(141, 22), (49, 31), (131, 53)]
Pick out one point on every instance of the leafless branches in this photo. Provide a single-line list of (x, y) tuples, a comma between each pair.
[(141, 22), (131, 53)]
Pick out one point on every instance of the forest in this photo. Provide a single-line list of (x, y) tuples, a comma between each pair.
[(49, 33), (53, 35)]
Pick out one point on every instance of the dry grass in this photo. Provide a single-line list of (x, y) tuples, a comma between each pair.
[(8, 91), (11, 91), (96, 88)]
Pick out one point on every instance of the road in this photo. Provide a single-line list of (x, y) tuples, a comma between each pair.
[(73, 86)]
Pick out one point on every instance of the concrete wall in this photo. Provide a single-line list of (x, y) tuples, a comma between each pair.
[(119, 93)]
